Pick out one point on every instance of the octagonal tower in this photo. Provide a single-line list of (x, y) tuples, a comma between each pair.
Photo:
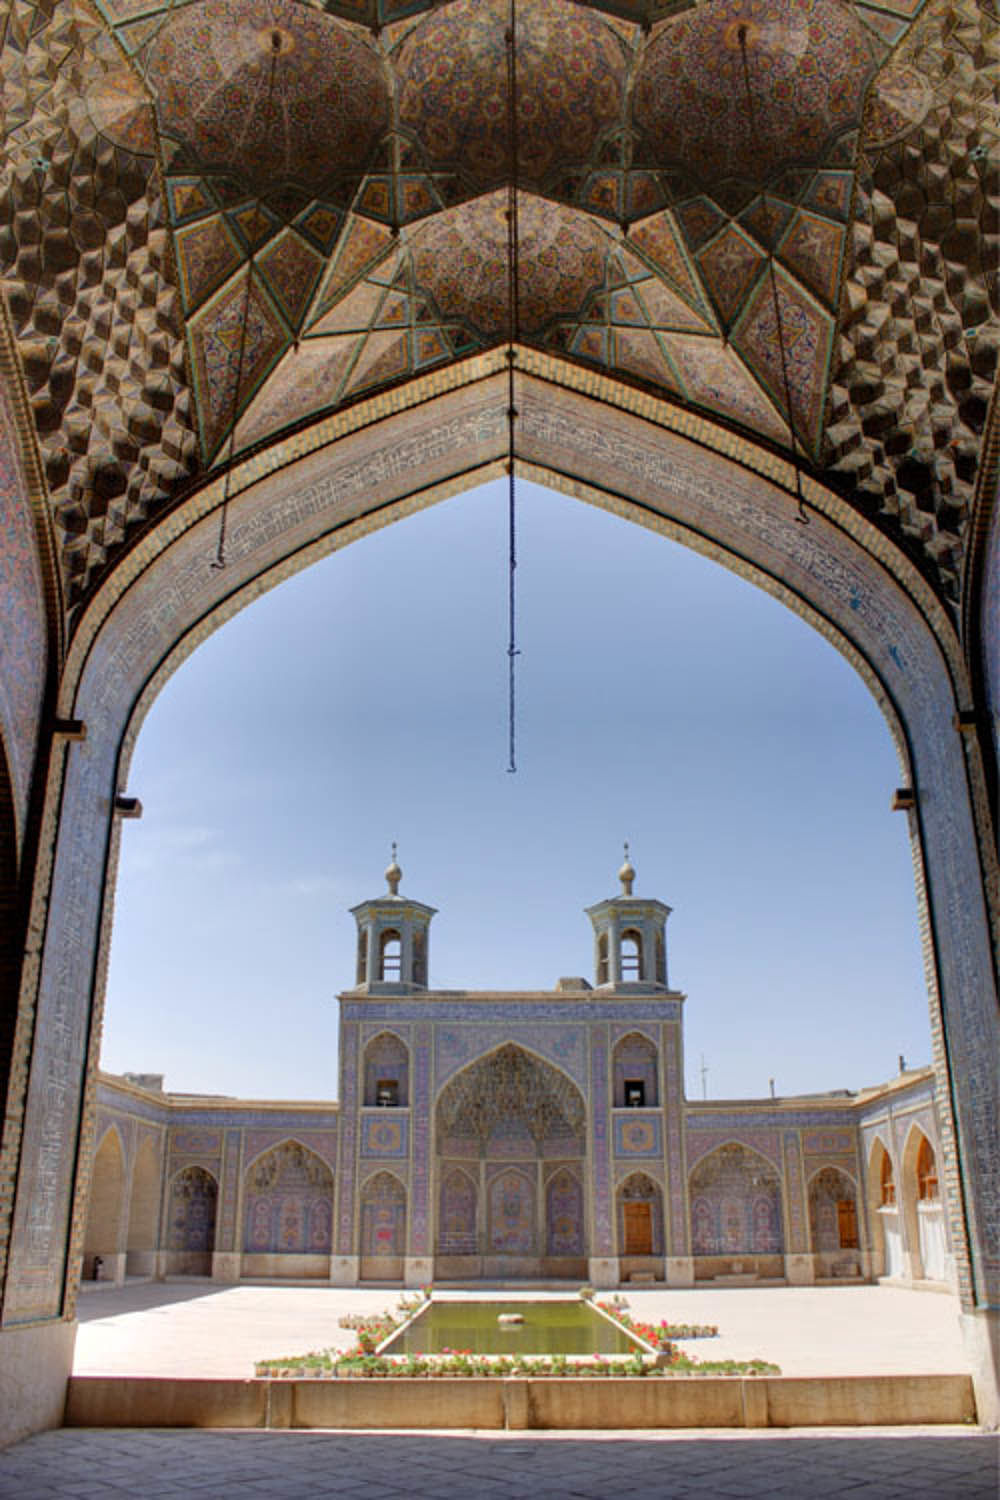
[(630, 940)]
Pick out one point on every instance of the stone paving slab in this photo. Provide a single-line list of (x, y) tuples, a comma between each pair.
[(199, 1328), (917, 1464)]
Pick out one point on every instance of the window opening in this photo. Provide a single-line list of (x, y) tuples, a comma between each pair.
[(927, 1179), (631, 956), (392, 955), (635, 1093), (602, 959), (888, 1185), (387, 1093)]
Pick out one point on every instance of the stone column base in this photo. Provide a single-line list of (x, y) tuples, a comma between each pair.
[(344, 1270), (225, 1265), (418, 1270), (602, 1271), (799, 1270), (679, 1270), (981, 1337)]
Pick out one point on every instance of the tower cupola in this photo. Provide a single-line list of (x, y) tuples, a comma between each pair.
[(630, 937), (392, 939)]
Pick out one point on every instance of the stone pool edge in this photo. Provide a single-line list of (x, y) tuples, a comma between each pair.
[(519, 1402)]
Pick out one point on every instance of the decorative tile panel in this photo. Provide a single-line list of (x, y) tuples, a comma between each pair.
[(385, 1134), (637, 1133)]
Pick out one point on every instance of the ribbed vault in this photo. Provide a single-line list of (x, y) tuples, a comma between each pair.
[(329, 174)]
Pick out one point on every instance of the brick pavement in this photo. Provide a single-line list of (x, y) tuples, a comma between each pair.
[(884, 1465)]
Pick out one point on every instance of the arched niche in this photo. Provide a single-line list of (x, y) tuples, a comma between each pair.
[(458, 1215), (834, 1223), (565, 1221), (887, 1236), (144, 1209), (922, 1210), (383, 1227), (641, 1241), (389, 968), (103, 1241), (736, 1206), (287, 1213), (512, 1219), (644, 458), (509, 1120), (190, 1231), (635, 1070), (387, 1072)]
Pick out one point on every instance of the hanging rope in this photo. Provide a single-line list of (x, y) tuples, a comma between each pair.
[(219, 561), (513, 333), (801, 516)]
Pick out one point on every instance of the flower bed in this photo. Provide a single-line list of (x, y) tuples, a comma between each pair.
[(659, 1335), (331, 1364)]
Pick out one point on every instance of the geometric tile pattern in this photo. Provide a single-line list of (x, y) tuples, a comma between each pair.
[(235, 339), (569, 60), (84, 264), (920, 332), (348, 148), (808, 67), (806, 335)]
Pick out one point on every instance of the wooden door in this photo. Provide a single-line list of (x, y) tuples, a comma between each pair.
[(847, 1225), (638, 1229)]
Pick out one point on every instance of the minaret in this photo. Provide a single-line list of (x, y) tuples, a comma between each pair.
[(630, 941), (392, 939)]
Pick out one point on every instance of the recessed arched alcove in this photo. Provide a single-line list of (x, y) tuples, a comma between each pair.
[(669, 472), (510, 1141)]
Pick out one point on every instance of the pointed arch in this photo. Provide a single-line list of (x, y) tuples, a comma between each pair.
[(640, 1222), (387, 1071), (736, 1203), (511, 1086), (191, 1214), (144, 1208), (288, 1211), (565, 1216), (105, 1231), (383, 1227), (458, 1213), (390, 955), (887, 1242), (833, 1218), (512, 1218), (921, 1209), (696, 1156), (635, 1068)]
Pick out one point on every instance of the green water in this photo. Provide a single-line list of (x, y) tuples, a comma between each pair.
[(569, 1327)]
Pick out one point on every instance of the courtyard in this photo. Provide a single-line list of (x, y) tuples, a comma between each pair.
[(196, 1328)]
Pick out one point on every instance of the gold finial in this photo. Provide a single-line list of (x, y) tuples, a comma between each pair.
[(626, 874), (393, 874)]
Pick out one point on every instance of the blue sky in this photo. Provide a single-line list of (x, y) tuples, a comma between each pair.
[(661, 700)]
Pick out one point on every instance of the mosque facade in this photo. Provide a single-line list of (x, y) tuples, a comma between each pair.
[(537, 1135)]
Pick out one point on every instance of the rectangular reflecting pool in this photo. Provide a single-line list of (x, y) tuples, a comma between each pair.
[(557, 1327)]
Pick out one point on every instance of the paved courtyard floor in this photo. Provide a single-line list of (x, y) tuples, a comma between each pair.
[(103, 1465), (200, 1328)]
